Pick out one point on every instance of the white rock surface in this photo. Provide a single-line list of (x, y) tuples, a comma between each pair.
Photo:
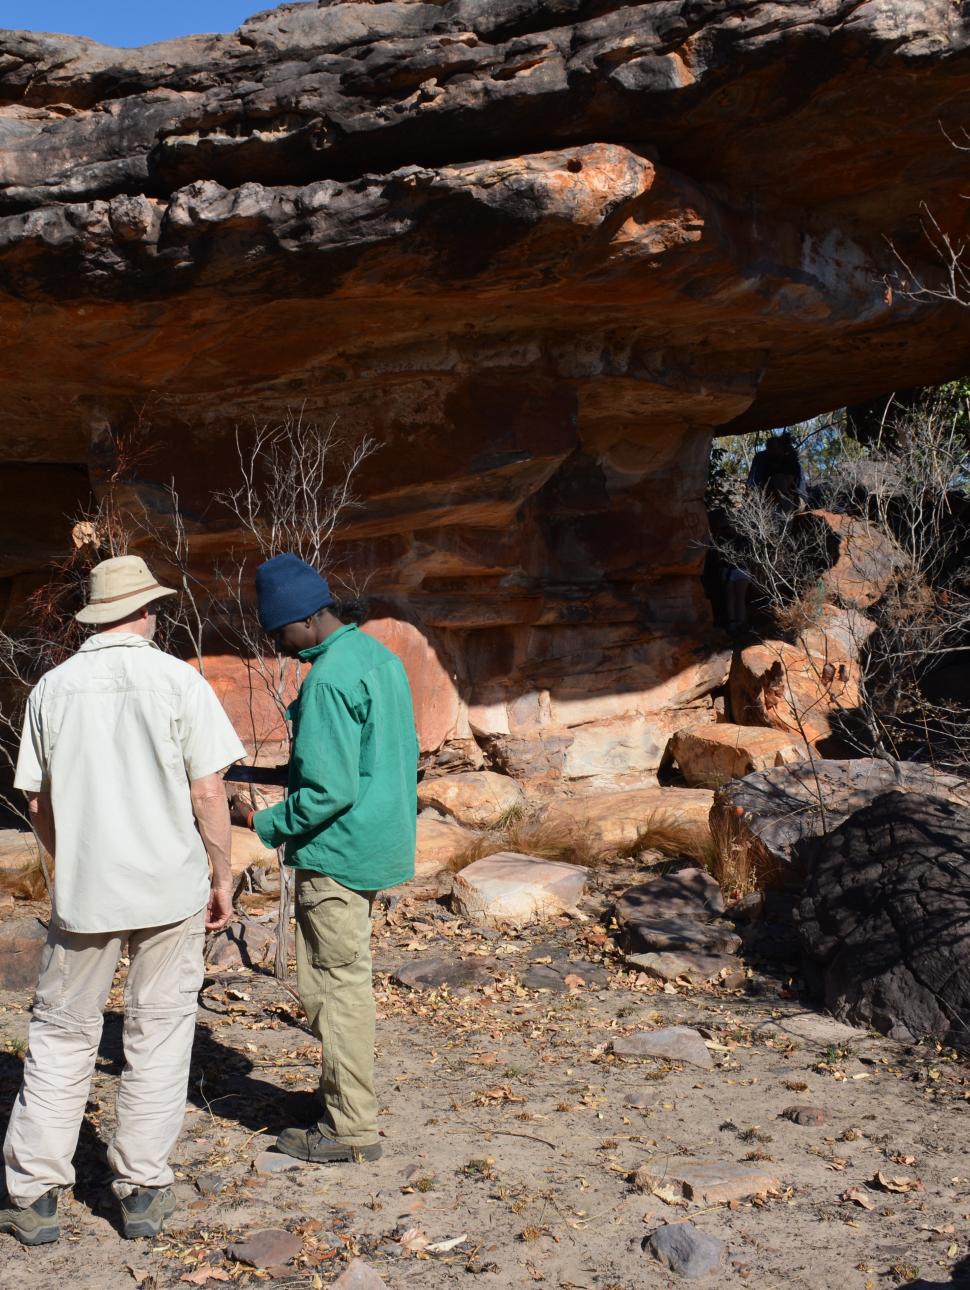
[(512, 889)]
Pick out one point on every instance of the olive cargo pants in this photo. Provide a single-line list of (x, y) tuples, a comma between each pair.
[(333, 973)]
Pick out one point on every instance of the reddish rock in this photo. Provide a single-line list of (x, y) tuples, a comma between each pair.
[(478, 797), (710, 755), (796, 690), (359, 1275), (612, 821), (439, 842), (806, 1115), (20, 870), (706, 1182), (438, 711), (270, 1248)]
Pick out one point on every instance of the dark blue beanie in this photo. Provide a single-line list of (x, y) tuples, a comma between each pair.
[(289, 590)]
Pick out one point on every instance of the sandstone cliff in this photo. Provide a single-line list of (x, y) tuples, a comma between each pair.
[(541, 250)]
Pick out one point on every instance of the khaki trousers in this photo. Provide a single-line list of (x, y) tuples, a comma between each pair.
[(161, 996), (334, 978)]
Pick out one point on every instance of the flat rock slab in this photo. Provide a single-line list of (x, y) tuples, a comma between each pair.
[(690, 891), (698, 969), (672, 1044), (478, 798), (431, 974), (712, 754), (685, 1249), (22, 942), (813, 1028), (515, 890), (275, 1162), (677, 935), (615, 820), (359, 1275), (271, 1248), (706, 1182)]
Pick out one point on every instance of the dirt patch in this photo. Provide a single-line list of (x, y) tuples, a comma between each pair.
[(513, 1134)]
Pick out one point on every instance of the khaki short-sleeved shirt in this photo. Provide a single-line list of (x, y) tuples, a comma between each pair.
[(116, 734)]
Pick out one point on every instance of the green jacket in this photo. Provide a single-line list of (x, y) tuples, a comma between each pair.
[(351, 811)]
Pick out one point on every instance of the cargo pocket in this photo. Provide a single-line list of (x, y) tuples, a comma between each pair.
[(192, 968), (326, 921)]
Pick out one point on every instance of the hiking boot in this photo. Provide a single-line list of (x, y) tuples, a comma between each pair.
[(315, 1146), (145, 1210), (36, 1224)]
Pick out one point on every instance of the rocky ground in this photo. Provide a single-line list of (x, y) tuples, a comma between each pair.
[(520, 1148)]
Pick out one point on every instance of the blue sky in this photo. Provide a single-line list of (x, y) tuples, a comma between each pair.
[(128, 22)]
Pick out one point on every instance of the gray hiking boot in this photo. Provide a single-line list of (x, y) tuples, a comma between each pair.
[(144, 1212), (36, 1224), (313, 1145)]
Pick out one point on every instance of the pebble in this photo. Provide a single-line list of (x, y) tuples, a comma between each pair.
[(807, 1115), (272, 1247), (275, 1162), (685, 1249), (359, 1275), (673, 1043)]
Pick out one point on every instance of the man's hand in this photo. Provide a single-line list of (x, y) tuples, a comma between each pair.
[(219, 909), (239, 810)]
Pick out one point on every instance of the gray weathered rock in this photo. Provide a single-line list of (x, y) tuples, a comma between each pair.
[(685, 1249), (672, 1044), (677, 935), (773, 812), (431, 973), (696, 968), (22, 942), (883, 922)]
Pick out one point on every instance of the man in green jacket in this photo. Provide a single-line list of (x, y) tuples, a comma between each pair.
[(348, 827)]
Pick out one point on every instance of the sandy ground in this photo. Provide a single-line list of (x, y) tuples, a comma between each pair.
[(508, 1123)]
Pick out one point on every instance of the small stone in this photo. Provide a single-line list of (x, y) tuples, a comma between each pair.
[(275, 1162), (429, 974), (210, 1184), (640, 1101), (807, 1115), (359, 1275), (678, 935), (672, 1044), (272, 1247), (706, 1182), (685, 1249)]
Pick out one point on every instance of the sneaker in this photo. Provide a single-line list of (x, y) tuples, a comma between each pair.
[(36, 1224), (145, 1210), (313, 1145)]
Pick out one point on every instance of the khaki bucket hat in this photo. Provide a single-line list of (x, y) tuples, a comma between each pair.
[(117, 587)]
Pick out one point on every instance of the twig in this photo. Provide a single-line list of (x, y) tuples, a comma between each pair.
[(508, 1133)]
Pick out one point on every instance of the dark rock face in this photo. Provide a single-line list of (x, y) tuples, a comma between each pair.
[(538, 250), (776, 814), (885, 920)]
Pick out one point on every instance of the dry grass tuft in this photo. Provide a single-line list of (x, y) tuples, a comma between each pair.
[(531, 835), (669, 833), (732, 860)]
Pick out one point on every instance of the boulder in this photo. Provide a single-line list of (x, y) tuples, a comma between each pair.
[(865, 563), (884, 918), (20, 871), (770, 813), (22, 942), (474, 797), (690, 893), (516, 889), (439, 842), (800, 691), (710, 755), (615, 821), (243, 943), (248, 850)]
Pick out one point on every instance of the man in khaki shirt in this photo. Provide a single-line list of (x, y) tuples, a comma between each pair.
[(121, 760)]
